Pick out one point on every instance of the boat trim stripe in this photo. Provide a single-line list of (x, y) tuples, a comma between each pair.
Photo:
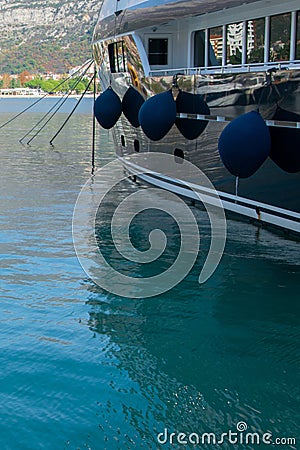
[(224, 119), (257, 210)]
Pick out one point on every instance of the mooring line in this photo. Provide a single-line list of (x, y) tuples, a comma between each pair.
[(62, 100), (45, 95), (94, 126), (71, 113)]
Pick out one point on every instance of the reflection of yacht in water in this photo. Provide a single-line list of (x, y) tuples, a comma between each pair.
[(216, 83), (177, 356)]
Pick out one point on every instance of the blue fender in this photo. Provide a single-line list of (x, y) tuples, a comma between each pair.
[(157, 115), (285, 142), (108, 108), (245, 144), (131, 105), (193, 104)]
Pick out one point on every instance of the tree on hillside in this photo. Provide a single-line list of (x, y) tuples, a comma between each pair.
[(49, 85), (80, 87), (35, 83), (24, 77), (5, 81), (14, 83)]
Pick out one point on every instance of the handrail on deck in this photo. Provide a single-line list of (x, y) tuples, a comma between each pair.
[(228, 68)]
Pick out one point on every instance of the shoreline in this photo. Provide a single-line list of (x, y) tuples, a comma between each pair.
[(45, 96)]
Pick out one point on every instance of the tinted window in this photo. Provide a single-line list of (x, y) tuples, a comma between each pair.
[(117, 57), (216, 46), (280, 37), (136, 145), (179, 155), (199, 48), (235, 43), (256, 40), (158, 52)]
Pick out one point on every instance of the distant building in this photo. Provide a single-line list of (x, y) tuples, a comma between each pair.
[(52, 76), (21, 91), (81, 70)]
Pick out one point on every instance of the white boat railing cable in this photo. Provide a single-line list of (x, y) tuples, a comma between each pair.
[(45, 95), (58, 104), (228, 68)]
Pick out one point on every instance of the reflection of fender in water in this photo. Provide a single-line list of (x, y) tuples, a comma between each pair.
[(134, 76)]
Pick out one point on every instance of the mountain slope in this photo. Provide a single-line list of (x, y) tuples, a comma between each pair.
[(45, 36)]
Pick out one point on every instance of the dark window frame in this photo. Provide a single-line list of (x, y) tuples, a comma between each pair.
[(158, 51), (115, 50), (280, 45)]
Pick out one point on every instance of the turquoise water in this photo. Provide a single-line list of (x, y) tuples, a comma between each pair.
[(84, 369)]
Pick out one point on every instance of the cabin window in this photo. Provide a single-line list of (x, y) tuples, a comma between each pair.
[(280, 37), (275, 38), (214, 57), (216, 46), (255, 40), (158, 51), (199, 48), (136, 145), (235, 43), (178, 155), (117, 57), (123, 142)]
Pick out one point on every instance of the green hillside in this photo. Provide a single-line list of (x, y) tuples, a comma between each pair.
[(45, 57), (45, 37)]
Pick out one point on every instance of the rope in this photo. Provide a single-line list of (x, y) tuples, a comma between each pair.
[(94, 127), (62, 100), (38, 100), (71, 113)]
